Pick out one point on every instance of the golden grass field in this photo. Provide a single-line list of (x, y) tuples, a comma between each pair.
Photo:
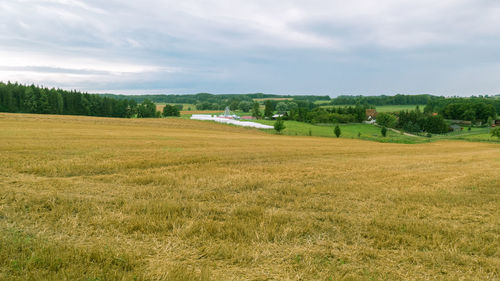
[(84, 198)]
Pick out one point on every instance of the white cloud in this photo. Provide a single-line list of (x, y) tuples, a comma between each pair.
[(213, 38)]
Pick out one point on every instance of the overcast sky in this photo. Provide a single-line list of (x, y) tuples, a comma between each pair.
[(331, 47)]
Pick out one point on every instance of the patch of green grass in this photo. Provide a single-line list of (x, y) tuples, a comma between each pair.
[(24, 256), (396, 108), (352, 131), (475, 134)]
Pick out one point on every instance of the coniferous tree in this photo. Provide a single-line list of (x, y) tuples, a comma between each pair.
[(337, 131)]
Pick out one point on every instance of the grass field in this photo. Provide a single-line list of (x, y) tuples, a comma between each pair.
[(384, 108), (358, 131), (373, 133), (85, 198)]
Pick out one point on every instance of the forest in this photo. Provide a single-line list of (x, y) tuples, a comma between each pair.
[(19, 98)]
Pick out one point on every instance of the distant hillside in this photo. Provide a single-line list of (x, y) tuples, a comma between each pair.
[(212, 98)]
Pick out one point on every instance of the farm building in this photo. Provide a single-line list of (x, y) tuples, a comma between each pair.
[(496, 123), (456, 128), (276, 116), (371, 114)]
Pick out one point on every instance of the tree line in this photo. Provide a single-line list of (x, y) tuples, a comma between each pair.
[(414, 121), (207, 101), (17, 98), (383, 100), (475, 109)]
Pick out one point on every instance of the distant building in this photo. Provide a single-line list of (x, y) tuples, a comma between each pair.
[(247, 118), (456, 128), (496, 123), (276, 116), (371, 114)]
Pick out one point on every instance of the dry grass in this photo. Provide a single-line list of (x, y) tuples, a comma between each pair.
[(85, 198)]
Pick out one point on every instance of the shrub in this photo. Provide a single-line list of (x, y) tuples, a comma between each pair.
[(386, 120), (384, 131), (279, 125), (496, 132), (171, 110), (337, 131)]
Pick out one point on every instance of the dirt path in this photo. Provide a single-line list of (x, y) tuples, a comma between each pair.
[(399, 132)]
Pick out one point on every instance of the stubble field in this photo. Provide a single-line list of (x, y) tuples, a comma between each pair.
[(85, 198)]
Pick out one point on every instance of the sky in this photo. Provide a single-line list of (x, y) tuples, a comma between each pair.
[(327, 47)]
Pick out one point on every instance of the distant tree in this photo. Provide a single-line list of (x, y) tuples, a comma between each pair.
[(147, 109), (293, 106), (246, 106), (337, 131), (489, 122), (281, 107), (268, 111), (171, 110), (234, 103), (496, 132), (386, 120), (384, 131), (279, 125), (256, 110)]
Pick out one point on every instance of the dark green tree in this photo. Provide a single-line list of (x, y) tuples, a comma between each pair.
[(246, 106), (384, 131), (268, 111), (496, 132), (337, 131), (386, 120), (147, 109), (279, 125), (281, 107), (256, 110), (171, 110)]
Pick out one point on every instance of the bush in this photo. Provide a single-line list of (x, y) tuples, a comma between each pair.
[(496, 132), (337, 131), (279, 125), (171, 110), (386, 120), (384, 131)]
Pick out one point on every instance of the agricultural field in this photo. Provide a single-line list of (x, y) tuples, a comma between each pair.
[(185, 106), (384, 108), (87, 198), (276, 99)]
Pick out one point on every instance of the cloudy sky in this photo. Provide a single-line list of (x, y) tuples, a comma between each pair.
[(329, 47)]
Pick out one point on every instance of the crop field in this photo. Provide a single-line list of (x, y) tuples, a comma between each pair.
[(84, 198), (188, 113), (276, 99), (384, 108)]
